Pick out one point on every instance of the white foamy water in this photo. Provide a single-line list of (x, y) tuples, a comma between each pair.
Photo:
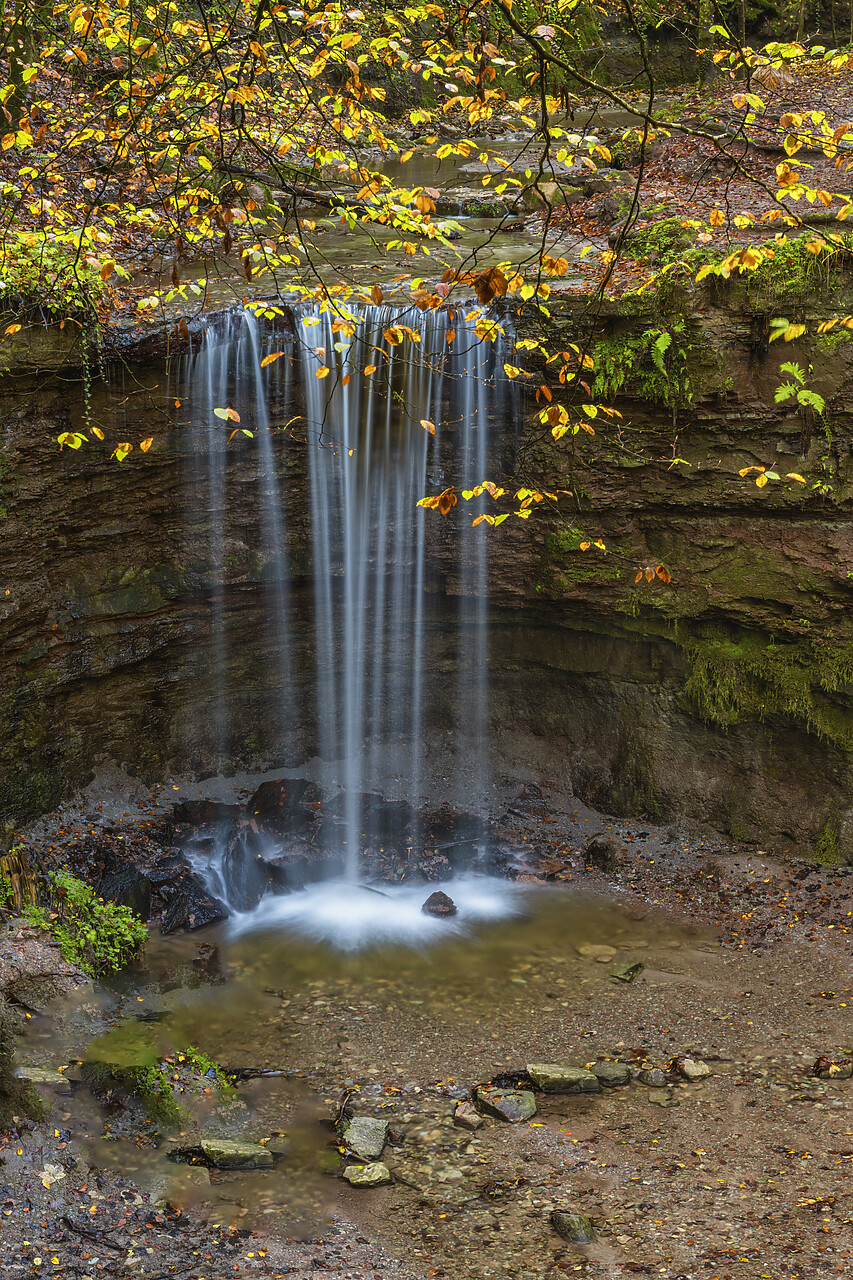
[(354, 917)]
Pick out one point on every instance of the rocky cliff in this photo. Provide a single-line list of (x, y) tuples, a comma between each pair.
[(723, 695)]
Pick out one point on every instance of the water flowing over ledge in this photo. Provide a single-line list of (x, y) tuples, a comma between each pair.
[(375, 442)]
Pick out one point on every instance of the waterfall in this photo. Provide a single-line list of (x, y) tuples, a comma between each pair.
[(373, 444)]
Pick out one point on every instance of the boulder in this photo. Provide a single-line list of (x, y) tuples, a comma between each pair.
[(466, 1116), (693, 1069), (602, 852), (128, 887), (656, 1077), (365, 1136), (554, 1078), (367, 1175), (226, 1154), (611, 1073), (438, 904), (574, 1227), (199, 812), (513, 1105), (192, 907), (277, 798)]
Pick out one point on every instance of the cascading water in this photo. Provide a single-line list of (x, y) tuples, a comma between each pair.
[(374, 443)]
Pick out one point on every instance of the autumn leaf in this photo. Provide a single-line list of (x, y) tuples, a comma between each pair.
[(428, 426), (121, 450), (274, 355), (322, 372), (716, 217), (369, 369), (227, 415), (377, 295), (96, 431), (145, 445)]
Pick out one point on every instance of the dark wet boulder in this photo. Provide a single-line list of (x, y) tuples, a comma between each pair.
[(513, 1105), (439, 904), (245, 874), (128, 887), (574, 1227), (277, 798), (167, 872), (602, 852), (199, 812), (192, 907)]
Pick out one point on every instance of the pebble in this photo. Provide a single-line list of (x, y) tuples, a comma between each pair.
[(655, 1076), (596, 951)]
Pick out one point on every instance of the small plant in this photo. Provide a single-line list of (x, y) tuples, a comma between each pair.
[(100, 937), (796, 389)]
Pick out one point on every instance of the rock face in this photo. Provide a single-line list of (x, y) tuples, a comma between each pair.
[(513, 1105), (708, 696), (438, 904), (552, 1078), (366, 1136)]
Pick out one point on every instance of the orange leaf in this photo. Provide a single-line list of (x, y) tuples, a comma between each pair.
[(377, 295), (274, 355), (145, 445), (428, 426)]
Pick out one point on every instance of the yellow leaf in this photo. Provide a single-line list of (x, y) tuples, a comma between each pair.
[(145, 445), (12, 328), (121, 450), (761, 480), (274, 355), (322, 372), (428, 426), (8, 141), (793, 475), (585, 546), (600, 544), (369, 369), (794, 331), (96, 431), (716, 217)]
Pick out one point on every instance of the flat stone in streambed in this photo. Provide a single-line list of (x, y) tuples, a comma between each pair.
[(367, 1175), (365, 1137), (552, 1077), (513, 1105), (611, 1073), (41, 1075), (225, 1154), (574, 1227)]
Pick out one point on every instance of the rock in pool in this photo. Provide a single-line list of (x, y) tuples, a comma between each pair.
[(367, 1175), (551, 1077), (225, 1154), (574, 1227), (466, 1116), (611, 1073), (438, 904), (512, 1105), (365, 1137)]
